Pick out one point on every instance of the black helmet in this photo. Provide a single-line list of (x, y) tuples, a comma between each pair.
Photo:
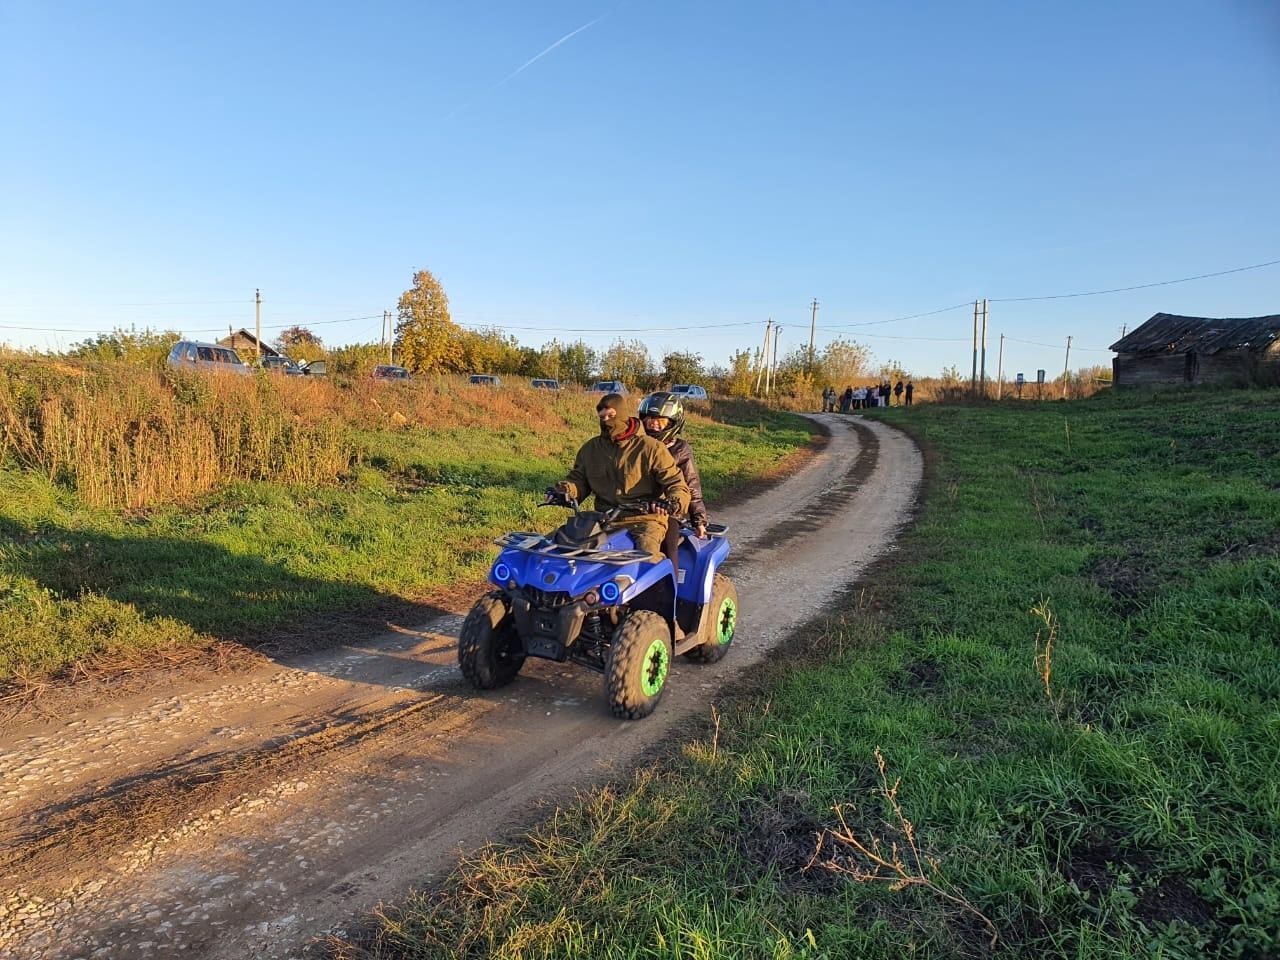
[(663, 404)]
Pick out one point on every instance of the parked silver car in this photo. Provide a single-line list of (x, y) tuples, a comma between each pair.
[(689, 391), (194, 355)]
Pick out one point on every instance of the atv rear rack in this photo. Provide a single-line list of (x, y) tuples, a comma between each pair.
[(537, 543)]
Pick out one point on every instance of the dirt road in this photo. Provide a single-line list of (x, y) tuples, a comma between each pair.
[(244, 815)]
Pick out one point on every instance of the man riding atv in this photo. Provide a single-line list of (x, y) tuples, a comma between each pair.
[(626, 468)]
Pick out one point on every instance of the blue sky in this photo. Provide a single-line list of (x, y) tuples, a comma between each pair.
[(670, 165)]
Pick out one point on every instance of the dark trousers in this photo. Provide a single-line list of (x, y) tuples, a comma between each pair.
[(671, 545)]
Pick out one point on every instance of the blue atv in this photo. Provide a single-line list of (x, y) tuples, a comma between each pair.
[(585, 594)]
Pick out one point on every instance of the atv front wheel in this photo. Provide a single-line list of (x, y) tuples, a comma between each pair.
[(638, 664), (490, 652), (722, 622)]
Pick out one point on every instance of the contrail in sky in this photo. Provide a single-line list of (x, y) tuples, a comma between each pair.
[(530, 62)]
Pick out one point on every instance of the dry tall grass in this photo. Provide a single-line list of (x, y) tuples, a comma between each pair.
[(125, 436)]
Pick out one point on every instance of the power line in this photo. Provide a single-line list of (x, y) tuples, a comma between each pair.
[(150, 323), (911, 316), (607, 330), (679, 328), (1139, 286), (888, 336), (183, 303), (1033, 343)]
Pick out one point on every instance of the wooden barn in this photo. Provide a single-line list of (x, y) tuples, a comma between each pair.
[(246, 344), (1172, 349)]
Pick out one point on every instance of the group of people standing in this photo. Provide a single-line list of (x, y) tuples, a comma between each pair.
[(876, 395)]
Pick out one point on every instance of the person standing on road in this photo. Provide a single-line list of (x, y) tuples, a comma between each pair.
[(626, 468), (910, 390), (897, 392)]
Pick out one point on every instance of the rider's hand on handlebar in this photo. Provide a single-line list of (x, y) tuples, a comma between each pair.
[(700, 531), (659, 507)]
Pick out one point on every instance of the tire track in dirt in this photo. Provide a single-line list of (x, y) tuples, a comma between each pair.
[(350, 774), (88, 825)]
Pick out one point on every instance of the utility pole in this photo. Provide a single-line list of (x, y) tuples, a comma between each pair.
[(257, 322), (973, 376), (773, 376), (983, 367), (1000, 369), (813, 322), (1065, 367), (386, 333), (764, 353)]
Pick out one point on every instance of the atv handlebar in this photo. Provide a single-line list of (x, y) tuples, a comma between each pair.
[(556, 497)]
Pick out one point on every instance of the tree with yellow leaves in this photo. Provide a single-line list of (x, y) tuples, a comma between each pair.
[(427, 339)]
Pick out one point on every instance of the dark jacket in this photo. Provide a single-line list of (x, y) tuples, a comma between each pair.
[(632, 467), (682, 453)]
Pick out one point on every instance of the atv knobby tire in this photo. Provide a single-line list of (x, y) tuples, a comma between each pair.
[(722, 622), (490, 652), (639, 661)]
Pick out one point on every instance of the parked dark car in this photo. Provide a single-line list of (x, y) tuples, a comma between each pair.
[(281, 365), (485, 380), (386, 371), (195, 355), (544, 383)]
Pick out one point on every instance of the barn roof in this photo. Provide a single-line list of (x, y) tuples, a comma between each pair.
[(1170, 333), (244, 334)]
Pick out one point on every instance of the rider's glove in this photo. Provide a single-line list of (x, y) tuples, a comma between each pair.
[(660, 507)]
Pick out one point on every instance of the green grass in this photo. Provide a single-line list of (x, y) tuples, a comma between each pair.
[(416, 514), (1131, 809)]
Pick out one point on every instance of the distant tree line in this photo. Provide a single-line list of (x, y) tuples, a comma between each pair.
[(427, 340)]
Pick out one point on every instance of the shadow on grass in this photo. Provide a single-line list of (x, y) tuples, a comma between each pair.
[(237, 598)]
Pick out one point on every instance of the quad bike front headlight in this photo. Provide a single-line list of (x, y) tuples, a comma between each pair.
[(610, 591), (501, 571)]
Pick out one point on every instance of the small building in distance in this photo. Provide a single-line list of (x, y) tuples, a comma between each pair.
[(1171, 349), (246, 344)]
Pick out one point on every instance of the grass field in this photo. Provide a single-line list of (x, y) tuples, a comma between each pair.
[(1070, 673), (418, 480)]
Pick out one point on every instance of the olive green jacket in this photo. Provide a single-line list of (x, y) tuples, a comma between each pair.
[(638, 468)]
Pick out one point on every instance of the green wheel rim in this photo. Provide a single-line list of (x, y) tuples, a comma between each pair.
[(726, 621), (653, 669)]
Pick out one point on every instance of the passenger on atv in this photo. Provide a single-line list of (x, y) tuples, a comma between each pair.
[(662, 414), (623, 467)]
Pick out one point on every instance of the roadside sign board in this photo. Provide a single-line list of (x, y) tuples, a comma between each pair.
[(1039, 376)]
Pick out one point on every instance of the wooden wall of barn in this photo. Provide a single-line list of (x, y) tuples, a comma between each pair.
[(1225, 366), (1147, 369), (1265, 366)]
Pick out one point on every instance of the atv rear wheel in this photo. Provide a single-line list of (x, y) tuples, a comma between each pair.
[(638, 663), (490, 651), (722, 622)]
